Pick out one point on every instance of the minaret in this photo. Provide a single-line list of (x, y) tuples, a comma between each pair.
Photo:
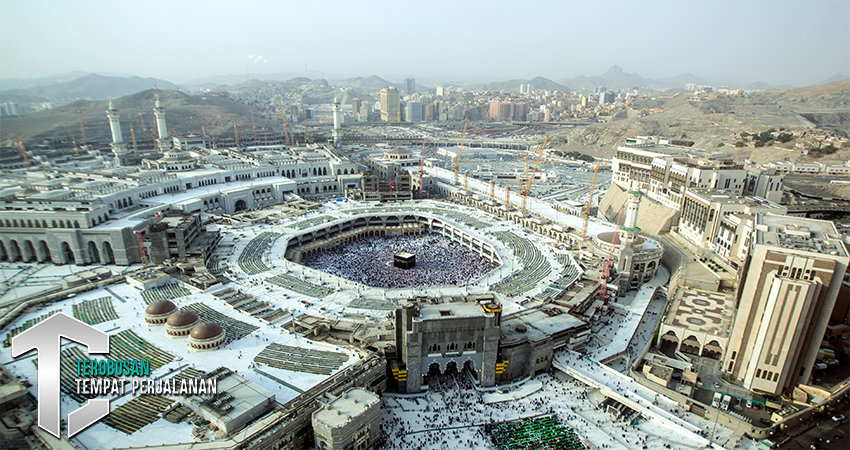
[(119, 148), (163, 142), (337, 131), (628, 234)]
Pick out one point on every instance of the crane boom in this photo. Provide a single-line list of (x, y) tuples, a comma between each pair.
[(589, 202), (287, 136), (527, 188), (23, 151), (133, 135), (460, 152), (253, 123)]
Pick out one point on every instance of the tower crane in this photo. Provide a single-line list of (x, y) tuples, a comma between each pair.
[(287, 137), (236, 134), (530, 176), (23, 151), (253, 123), (460, 152), (133, 135), (80, 118), (507, 197), (589, 202), (493, 191), (606, 265), (466, 182), (422, 165)]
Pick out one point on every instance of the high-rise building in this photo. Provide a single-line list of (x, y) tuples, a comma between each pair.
[(390, 105), (441, 91), (429, 112), (606, 97), (414, 112), (356, 103), (409, 86), (500, 111), (792, 277)]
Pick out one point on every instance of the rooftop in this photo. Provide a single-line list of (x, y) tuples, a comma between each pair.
[(799, 233), (707, 312), (341, 410)]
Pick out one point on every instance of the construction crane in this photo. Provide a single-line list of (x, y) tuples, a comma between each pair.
[(23, 151), (589, 202), (80, 117), (236, 134), (466, 182), (606, 265), (507, 197), (144, 128), (530, 176), (265, 133), (422, 164), (459, 152), (287, 137), (133, 135), (493, 191), (253, 124)]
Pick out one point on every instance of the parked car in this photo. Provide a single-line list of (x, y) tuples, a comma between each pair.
[(838, 418)]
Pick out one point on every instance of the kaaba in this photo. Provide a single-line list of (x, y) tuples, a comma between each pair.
[(404, 260)]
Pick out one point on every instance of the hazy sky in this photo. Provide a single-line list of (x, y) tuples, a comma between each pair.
[(797, 43)]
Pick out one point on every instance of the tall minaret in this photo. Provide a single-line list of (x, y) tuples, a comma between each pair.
[(337, 131), (119, 148), (163, 142), (628, 234)]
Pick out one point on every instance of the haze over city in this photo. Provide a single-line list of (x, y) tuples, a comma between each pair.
[(795, 43)]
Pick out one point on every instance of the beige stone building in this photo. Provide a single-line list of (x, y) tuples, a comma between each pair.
[(792, 277)]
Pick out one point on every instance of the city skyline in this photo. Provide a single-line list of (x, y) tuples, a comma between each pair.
[(744, 42)]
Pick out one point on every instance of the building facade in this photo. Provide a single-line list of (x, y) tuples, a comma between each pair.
[(441, 335), (390, 105), (791, 280)]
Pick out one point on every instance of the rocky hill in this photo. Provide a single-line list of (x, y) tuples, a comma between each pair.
[(711, 123), (513, 85), (183, 114), (89, 87)]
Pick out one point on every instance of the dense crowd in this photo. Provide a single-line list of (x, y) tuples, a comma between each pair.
[(439, 261)]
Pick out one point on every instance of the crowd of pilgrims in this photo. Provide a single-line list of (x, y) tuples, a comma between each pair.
[(453, 407), (439, 262)]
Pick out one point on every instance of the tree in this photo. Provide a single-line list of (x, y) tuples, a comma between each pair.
[(739, 144), (785, 137)]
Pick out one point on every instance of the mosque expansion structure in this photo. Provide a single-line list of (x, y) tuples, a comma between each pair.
[(315, 291)]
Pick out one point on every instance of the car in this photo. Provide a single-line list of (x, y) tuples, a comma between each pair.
[(749, 403), (716, 385), (838, 418)]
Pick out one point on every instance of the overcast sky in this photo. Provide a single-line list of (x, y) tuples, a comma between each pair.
[(797, 42)]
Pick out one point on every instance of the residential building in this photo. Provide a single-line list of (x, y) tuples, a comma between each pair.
[(390, 105)]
